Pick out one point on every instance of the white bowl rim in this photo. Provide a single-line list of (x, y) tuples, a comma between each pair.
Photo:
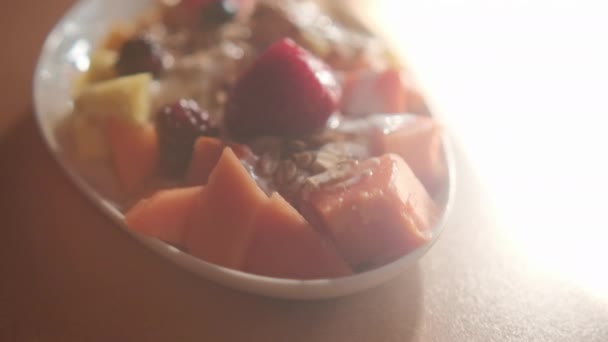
[(240, 280)]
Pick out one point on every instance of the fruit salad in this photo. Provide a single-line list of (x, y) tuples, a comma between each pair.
[(272, 137)]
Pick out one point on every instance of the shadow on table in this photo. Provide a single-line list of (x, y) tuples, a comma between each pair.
[(388, 313)]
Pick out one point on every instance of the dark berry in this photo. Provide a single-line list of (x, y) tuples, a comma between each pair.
[(139, 55), (286, 92), (218, 12), (195, 4), (179, 125)]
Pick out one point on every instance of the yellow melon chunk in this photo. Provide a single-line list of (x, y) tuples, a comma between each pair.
[(126, 97)]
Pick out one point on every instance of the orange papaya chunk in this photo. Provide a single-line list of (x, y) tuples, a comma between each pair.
[(417, 139), (206, 153), (220, 226), (390, 91), (134, 152), (366, 92), (285, 245), (165, 214), (378, 214)]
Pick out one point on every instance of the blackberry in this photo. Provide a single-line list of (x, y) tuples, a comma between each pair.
[(141, 54), (179, 125), (218, 12)]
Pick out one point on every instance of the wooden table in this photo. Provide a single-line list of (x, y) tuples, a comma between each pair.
[(68, 274)]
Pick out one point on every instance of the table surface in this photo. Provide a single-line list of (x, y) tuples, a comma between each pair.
[(69, 274)]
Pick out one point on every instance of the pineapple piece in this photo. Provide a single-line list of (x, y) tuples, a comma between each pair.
[(125, 97), (102, 66), (89, 139), (101, 69)]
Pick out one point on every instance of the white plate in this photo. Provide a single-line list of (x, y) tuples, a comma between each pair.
[(66, 53)]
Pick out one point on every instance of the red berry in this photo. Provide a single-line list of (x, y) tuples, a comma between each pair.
[(178, 126), (140, 54), (286, 92)]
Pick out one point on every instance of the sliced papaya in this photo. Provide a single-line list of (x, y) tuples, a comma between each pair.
[(376, 215), (418, 141), (205, 155), (165, 214), (220, 227), (134, 152), (285, 245), (367, 92)]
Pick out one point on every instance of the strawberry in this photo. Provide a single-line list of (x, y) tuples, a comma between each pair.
[(286, 92)]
